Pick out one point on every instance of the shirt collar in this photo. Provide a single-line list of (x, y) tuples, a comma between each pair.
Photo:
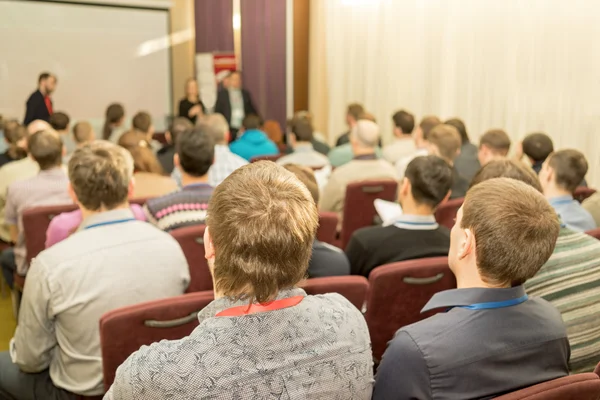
[(222, 148), (565, 199), (365, 157), (303, 148), (107, 216), (218, 305), (416, 222), (467, 297), (196, 186)]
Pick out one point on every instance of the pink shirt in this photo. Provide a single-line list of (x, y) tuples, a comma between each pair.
[(63, 225)]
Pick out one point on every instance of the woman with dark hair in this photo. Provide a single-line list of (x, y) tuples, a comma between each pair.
[(191, 106), (115, 116)]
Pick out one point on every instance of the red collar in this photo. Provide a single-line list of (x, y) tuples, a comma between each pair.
[(257, 308)]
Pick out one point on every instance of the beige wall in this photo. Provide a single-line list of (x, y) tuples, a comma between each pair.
[(182, 65)]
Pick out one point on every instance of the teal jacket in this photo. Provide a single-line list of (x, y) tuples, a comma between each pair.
[(253, 143)]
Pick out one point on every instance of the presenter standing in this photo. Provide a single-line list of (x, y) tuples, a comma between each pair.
[(39, 104), (234, 103), (191, 107)]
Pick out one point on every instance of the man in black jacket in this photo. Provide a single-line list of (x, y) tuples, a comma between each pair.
[(234, 103), (39, 104)]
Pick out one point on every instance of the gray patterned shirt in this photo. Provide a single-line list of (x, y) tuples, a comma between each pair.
[(318, 349)]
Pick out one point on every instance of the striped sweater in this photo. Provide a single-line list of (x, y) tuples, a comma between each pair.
[(570, 280), (185, 207)]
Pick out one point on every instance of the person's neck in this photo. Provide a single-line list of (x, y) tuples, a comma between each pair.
[(404, 137), (302, 144), (54, 167), (43, 92), (192, 97), (191, 180), (464, 281), (363, 151), (85, 213), (555, 191), (411, 207), (449, 161)]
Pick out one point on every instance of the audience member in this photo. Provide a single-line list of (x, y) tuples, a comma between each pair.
[(353, 113), (167, 152), (235, 104), (48, 187), (111, 262), (467, 163), (15, 136), (191, 107), (253, 142), (491, 326), (261, 226), (142, 122), (39, 104), (415, 234), (17, 171), (560, 175), (83, 133), (326, 260), (273, 131), (364, 167), (150, 180), (195, 155), (60, 122), (300, 138), (403, 145), (420, 139), (537, 147), (113, 125), (592, 205), (573, 268), (319, 140), (342, 154), (444, 141), (493, 145)]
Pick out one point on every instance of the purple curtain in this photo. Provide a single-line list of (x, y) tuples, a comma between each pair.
[(263, 56), (214, 25)]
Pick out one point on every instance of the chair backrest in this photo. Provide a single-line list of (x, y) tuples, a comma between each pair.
[(327, 231), (594, 233), (573, 387), (35, 224), (446, 212), (582, 193), (265, 158), (191, 240), (123, 331), (353, 288), (359, 210), (398, 292)]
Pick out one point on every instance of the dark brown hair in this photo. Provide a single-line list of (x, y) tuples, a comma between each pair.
[(196, 150), (59, 121), (355, 110), (405, 121), (570, 167), (537, 146), (82, 132), (427, 124), (507, 169), (13, 134), (430, 179), (143, 157), (515, 230), (496, 140), (141, 121), (252, 121), (460, 127), (46, 148), (262, 221), (114, 113)]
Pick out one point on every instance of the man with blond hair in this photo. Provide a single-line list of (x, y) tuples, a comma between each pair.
[(493, 145), (444, 141), (420, 140), (504, 233), (112, 261)]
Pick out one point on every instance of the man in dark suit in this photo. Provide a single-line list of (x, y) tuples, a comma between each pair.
[(234, 103), (39, 104)]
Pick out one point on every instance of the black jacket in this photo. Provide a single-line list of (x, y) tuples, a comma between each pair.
[(223, 105), (36, 108)]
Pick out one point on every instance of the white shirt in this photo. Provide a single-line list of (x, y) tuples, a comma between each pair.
[(400, 148), (304, 154), (403, 162), (12, 172)]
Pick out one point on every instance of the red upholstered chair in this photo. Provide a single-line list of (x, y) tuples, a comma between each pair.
[(594, 233), (582, 193), (265, 158), (327, 231), (359, 210), (447, 211), (191, 240), (398, 292), (574, 387), (125, 330), (354, 288)]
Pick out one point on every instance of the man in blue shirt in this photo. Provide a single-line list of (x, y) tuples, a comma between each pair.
[(561, 173), (253, 142), (490, 337)]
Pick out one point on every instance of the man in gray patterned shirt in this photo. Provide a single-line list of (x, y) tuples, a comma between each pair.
[(261, 338)]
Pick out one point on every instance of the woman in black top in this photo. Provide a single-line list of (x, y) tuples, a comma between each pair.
[(191, 107)]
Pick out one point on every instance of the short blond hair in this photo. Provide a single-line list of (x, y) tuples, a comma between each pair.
[(262, 221), (83, 132), (497, 141), (447, 139)]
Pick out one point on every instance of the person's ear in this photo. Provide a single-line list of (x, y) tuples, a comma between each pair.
[(447, 197), (405, 187), (227, 136), (209, 248), (64, 151), (176, 160), (467, 244), (131, 188)]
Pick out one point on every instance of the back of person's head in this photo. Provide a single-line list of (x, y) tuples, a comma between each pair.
[(177, 126), (37, 125), (273, 130), (43, 76), (83, 132), (354, 111), (302, 129), (219, 128), (46, 148), (367, 116), (365, 134), (143, 157), (59, 121), (444, 141), (196, 150), (510, 226), (566, 168), (114, 115), (497, 141), (507, 169), (252, 121), (15, 136), (537, 146), (307, 177), (404, 122), (101, 175), (460, 127), (261, 224), (427, 124), (142, 121), (430, 179)]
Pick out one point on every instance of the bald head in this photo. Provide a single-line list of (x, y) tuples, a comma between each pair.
[(37, 125), (365, 134), (46, 148)]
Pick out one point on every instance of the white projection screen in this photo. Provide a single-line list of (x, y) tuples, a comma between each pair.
[(100, 54)]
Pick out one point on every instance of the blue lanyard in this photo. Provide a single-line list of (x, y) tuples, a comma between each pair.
[(559, 202), (496, 304), (119, 221)]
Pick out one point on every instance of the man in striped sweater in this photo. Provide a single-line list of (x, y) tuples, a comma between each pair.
[(194, 156)]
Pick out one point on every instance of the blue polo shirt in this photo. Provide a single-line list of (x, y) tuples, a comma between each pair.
[(476, 353), (572, 214)]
